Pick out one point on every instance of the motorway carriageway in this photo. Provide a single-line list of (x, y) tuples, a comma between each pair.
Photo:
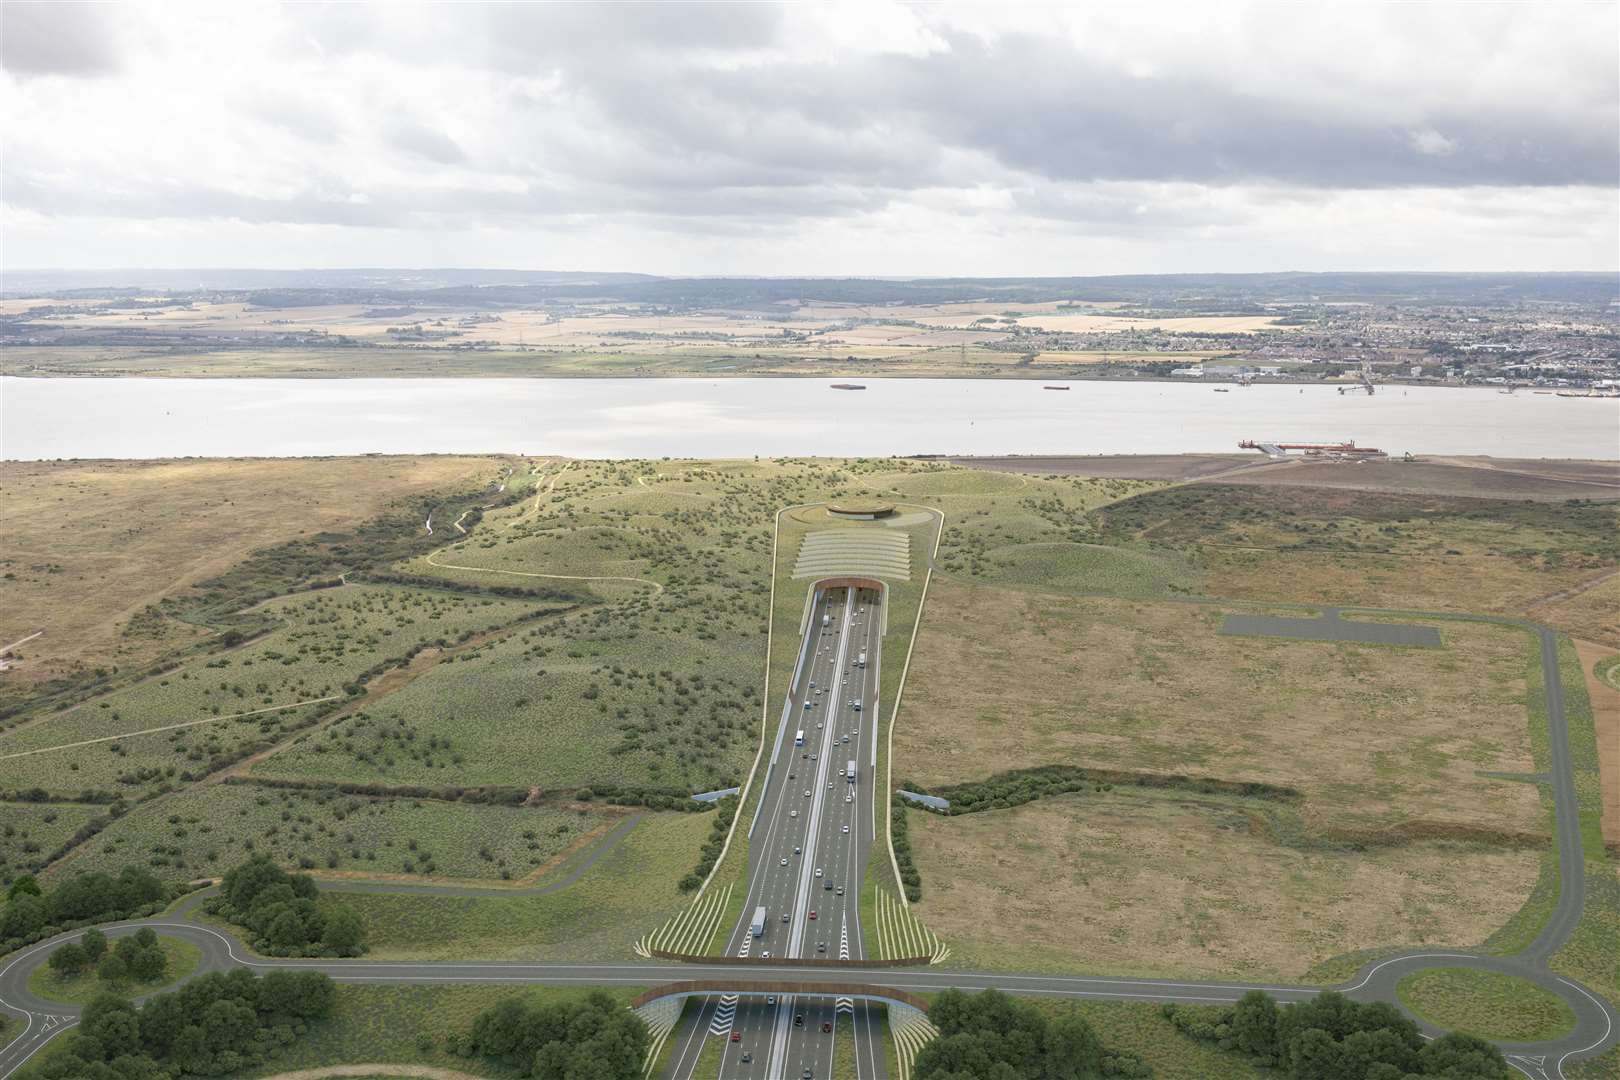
[(808, 847)]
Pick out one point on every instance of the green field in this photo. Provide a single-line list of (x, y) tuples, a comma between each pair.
[(30, 833), (1486, 1003), (205, 831), (239, 698), (183, 958), (628, 893)]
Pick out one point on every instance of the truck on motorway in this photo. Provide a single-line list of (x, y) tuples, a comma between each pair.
[(757, 927), (798, 739), (826, 620), (862, 661), (850, 772)]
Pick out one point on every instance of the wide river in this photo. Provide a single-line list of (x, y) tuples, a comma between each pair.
[(616, 418)]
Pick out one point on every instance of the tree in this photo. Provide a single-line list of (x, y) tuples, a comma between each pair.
[(1072, 1049), (1314, 1054), (1254, 1025), (23, 917), (1462, 1057), (25, 885), (112, 1022), (113, 968), (94, 944), (68, 960), (344, 934)]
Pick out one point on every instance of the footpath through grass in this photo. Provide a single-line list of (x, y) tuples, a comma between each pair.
[(1486, 1003)]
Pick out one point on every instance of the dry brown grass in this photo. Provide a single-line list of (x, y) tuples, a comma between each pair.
[(1375, 737), (1593, 614), (85, 545), (1140, 885)]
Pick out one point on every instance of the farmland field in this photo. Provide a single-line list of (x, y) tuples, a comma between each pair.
[(207, 830)]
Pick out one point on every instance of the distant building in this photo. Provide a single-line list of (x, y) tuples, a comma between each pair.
[(1196, 371)]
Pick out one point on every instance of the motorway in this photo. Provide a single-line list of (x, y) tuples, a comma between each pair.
[(768, 1032), (807, 848)]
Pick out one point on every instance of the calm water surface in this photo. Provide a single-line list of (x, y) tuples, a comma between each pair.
[(151, 418)]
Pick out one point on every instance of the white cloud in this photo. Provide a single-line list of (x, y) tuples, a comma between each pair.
[(883, 138)]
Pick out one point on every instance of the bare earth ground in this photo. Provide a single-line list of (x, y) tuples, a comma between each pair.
[(1606, 719), (85, 545), (1370, 734), (1123, 883)]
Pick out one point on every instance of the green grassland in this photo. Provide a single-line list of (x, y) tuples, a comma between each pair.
[(1486, 1003), (326, 641), (31, 833), (205, 831), (182, 956), (628, 892)]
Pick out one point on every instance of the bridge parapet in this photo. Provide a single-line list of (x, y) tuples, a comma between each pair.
[(756, 987)]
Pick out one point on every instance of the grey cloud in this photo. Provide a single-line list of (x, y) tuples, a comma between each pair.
[(424, 142), (55, 39), (1035, 106), (301, 118)]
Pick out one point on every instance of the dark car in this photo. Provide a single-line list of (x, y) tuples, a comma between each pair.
[(798, 1020), (826, 1027)]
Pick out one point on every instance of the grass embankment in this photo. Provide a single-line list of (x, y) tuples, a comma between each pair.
[(629, 892), (182, 956), (1486, 1003)]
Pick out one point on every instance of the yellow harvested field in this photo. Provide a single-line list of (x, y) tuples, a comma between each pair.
[(1376, 737), (1181, 887)]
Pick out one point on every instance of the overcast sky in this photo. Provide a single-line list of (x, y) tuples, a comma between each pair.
[(812, 139)]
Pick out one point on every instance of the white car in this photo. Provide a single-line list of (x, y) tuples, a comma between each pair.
[(849, 798), (818, 871), (846, 828), (807, 793), (793, 813), (784, 860)]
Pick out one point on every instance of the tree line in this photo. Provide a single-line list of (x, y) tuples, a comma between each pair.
[(33, 913), (218, 1023), (284, 913), (1331, 1037), (992, 1036), (590, 1038)]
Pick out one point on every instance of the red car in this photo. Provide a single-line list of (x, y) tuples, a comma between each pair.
[(736, 1036), (826, 1027), (812, 913)]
